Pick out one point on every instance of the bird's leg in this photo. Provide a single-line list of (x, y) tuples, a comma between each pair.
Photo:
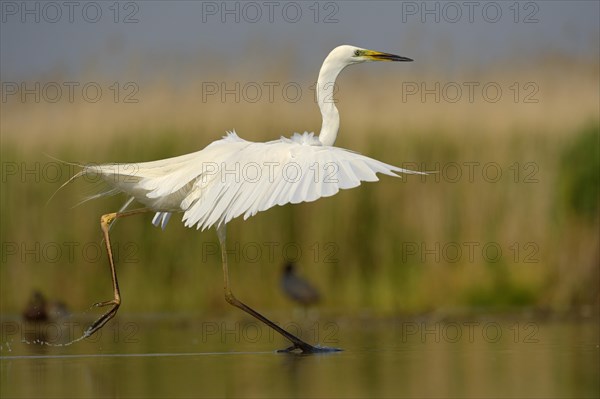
[(105, 223), (231, 299)]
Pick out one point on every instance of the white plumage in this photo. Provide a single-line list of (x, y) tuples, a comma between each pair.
[(232, 176)]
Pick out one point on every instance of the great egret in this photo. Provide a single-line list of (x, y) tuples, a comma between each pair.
[(232, 176)]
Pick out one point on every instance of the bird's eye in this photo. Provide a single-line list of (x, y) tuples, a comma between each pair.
[(356, 53)]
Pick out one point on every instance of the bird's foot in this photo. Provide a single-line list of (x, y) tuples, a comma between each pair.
[(102, 320), (305, 348), (106, 303)]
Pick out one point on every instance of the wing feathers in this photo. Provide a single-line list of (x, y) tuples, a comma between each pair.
[(233, 177)]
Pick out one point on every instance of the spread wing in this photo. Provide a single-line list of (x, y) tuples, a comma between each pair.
[(233, 177)]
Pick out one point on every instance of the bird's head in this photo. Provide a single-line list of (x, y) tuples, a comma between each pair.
[(338, 59), (288, 268), (354, 55)]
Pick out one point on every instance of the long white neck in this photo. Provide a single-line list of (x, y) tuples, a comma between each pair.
[(325, 87)]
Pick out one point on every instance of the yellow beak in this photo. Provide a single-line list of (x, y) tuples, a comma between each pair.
[(378, 56)]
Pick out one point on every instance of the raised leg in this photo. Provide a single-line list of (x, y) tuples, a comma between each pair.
[(297, 343), (105, 223)]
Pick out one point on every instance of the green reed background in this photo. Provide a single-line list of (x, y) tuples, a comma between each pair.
[(382, 249)]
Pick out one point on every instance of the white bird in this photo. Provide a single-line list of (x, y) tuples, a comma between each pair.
[(233, 177)]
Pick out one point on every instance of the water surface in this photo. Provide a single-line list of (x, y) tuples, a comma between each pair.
[(180, 357)]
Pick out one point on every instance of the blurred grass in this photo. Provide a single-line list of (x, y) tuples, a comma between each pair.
[(357, 247)]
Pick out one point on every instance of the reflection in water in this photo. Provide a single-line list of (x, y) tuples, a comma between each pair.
[(405, 358)]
